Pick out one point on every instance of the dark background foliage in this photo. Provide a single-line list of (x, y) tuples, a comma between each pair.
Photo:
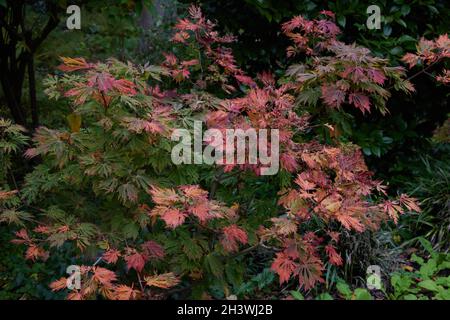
[(399, 148)]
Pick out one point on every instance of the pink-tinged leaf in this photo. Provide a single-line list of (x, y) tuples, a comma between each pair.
[(30, 153), (284, 226), (104, 276), (309, 271), (170, 59), (194, 192), (180, 37), (154, 127), (201, 211), (74, 64), (444, 77), (376, 76), (411, 59), (103, 81), (125, 87), (164, 281), (350, 222), (111, 256), (410, 203), (59, 284), (356, 74), (23, 234), (245, 80), (334, 235), (186, 25), (284, 266), (173, 218), (360, 101), (288, 162), (4, 195), (332, 96), (189, 63), (75, 296), (328, 13), (123, 292), (32, 252), (334, 257), (153, 250), (303, 183), (392, 209), (296, 22), (163, 196)]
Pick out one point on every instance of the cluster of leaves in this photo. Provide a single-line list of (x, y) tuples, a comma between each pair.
[(109, 187), (174, 207), (429, 53), (349, 75), (333, 188), (265, 106), (390, 144), (12, 140)]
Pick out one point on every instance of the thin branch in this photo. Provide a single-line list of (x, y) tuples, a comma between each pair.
[(424, 70)]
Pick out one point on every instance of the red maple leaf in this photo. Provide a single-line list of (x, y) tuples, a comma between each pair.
[(201, 211), (288, 162), (123, 292), (334, 257), (350, 222), (164, 281), (34, 252), (22, 234), (103, 81), (74, 64), (376, 76), (59, 284), (111, 256), (284, 266), (332, 96), (104, 276), (163, 196), (76, 295), (153, 249), (125, 87), (194, 192), (360, 101), (309, 270)]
